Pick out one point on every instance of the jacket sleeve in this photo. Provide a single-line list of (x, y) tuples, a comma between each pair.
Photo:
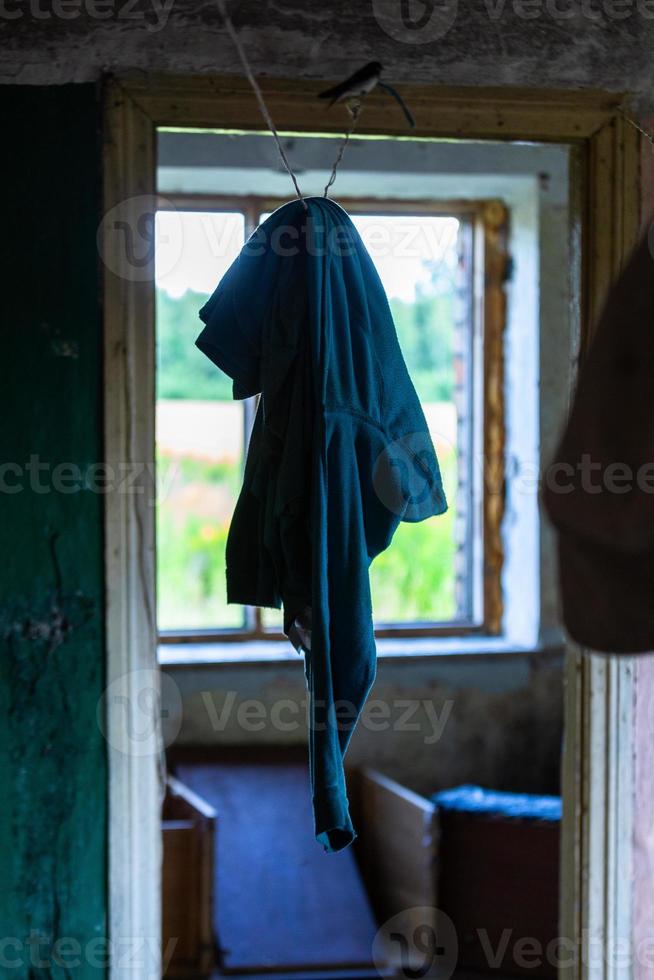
[(360, 503), (223, 339), (341, 664), (374, 467)]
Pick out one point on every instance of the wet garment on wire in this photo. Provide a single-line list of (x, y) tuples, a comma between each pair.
[(340, 453)]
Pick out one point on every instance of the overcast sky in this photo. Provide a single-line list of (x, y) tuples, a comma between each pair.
[(194, 249)]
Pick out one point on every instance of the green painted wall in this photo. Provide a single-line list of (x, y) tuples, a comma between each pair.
[(52, 755)]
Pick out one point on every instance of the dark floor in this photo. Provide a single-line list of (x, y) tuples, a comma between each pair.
[(359, 975), (281, 903), (301, 975)]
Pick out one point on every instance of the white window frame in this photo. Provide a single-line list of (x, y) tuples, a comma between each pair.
[(487, 224)]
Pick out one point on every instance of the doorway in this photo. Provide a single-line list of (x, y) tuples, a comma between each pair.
[(603, 151)]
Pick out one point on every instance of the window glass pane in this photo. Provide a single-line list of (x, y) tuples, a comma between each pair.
[(200, 429), (421, 577), (417, 259), (273, 619)]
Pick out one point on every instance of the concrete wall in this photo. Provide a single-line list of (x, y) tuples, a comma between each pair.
[(547, 43), (494, 719), (52, 759)]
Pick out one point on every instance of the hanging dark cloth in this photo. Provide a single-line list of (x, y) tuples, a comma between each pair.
[(599, 490), (340, 454)]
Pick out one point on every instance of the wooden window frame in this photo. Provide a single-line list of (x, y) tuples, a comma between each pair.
[(489, 263), (597, 777)]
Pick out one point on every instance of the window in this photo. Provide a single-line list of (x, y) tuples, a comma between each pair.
[(443, 269)]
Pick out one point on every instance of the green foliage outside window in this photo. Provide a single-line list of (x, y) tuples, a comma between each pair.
[(412, 580)]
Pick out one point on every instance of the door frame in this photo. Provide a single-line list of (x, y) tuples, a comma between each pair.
[(598, 740)]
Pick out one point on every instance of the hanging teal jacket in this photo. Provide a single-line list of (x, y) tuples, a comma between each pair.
[(340, 453)]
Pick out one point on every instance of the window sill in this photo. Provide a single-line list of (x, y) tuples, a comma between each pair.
[(272, 652)]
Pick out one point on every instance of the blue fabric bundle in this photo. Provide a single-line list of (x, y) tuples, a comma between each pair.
[(475, 799), (340, 453)]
